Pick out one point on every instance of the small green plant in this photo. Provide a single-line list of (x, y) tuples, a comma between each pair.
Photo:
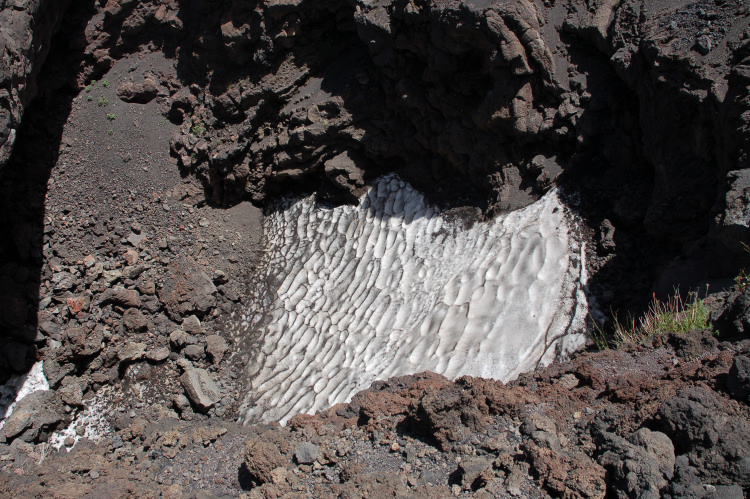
[(89, 88), (90, 98), (597, 334), (103, 101), (105, 83), (111, 117), (110, 132), (163, 121), (197, 129), (672, 316)]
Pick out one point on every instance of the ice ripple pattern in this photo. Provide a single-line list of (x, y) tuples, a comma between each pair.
[(391, 287)]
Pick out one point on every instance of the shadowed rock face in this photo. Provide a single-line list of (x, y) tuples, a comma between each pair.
[(487, 103), (26, 28)]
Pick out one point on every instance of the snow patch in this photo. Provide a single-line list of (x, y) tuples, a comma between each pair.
[(392, 287), (90, 423)]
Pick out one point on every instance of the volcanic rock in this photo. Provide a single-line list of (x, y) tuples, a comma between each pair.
[(200, 388), (121, 296), (261, 458), (216, 347), (738, 381), (190, 292), (36, 415), (306, 453), (140, 93)]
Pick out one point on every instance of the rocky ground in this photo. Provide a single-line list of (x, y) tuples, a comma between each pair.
[(665, 419), (130, 240)]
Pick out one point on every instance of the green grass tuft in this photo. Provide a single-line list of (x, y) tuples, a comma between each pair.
[(672, 316)]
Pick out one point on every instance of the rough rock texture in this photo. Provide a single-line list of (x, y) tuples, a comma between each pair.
[(630, 422), (641, 105), (26, 29), (200, 388), (35, 417), (483, 103)]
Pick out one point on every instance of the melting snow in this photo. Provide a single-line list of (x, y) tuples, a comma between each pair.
[(392, 287)]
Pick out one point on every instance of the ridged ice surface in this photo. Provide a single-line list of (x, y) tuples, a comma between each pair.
[(392, 287)]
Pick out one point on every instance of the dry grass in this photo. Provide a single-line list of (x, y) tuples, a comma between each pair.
[(671, 316)]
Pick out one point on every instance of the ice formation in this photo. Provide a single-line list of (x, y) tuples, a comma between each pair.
[(392, 287), (90, 423)]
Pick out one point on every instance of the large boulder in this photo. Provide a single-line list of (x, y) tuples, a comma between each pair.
[(738, 381), (702, 426), (190, 291), (35, 416), (641, 467)]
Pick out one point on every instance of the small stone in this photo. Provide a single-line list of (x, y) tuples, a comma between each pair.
[(147, 288), (306, 453), (179, 338), (131, 257), (131, 352), (203, 222), (69, 441), (62, 281), (180, 402), (192, 325), (89, 261), (133, 272), (216, 347), (471, 469), (117, 442), (112, 276), (200, 388), (703, 44), (94, 474), (71, 394), (134, 321), (136, 239), (121, 296), (158, 355), (77, 304), (395, 447), (194, 352)]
